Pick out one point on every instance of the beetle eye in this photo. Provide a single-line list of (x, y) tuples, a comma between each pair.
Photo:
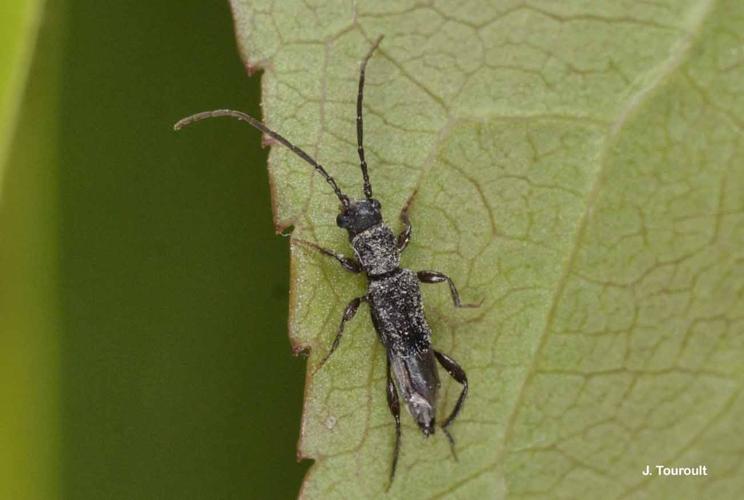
[(342, 220), (376, 204)]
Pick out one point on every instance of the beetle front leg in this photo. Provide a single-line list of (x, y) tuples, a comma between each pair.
[(437, 277), (349, 313), (457, 373), (348, 263), (394, 405), (405, 235)]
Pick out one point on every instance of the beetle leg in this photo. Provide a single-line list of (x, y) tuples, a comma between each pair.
[(394, 405), (348, 263), (349, 313), (437, 277), (405, 235), (460, 377)]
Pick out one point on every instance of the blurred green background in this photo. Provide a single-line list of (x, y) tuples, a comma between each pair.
[(143, 304)]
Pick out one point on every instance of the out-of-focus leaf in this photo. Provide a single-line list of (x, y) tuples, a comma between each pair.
[(19, 21), (577, 166), (29, 322)]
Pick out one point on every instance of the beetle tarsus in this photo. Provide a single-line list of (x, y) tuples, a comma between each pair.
[(451, 442)]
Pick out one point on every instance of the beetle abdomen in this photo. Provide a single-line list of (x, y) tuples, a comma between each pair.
[(418, 383)]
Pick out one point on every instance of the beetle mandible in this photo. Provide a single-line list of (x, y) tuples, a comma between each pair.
[(393, 293)]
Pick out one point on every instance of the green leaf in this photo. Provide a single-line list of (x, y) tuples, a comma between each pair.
[(19, 20), (578, 166), (29, 257)]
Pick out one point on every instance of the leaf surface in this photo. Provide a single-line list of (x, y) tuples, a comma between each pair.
[(578, 167), (19, 22)]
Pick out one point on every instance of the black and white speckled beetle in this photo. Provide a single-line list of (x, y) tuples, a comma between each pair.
[(393, 293)]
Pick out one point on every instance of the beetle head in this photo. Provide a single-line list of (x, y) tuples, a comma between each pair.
[(358, 216)]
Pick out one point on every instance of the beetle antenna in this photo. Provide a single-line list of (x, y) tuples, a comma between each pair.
[(239, 115), (359, 122)]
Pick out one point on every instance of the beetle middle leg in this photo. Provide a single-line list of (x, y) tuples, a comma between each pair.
[(349, 313), (437, 277), (457, 373), (394, 405), (348, 263)]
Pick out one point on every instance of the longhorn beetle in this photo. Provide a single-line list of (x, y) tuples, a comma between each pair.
[(393, 293)]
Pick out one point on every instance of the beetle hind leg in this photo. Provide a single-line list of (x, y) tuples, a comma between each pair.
[(451, 442), (457, 373), (394, 405)]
